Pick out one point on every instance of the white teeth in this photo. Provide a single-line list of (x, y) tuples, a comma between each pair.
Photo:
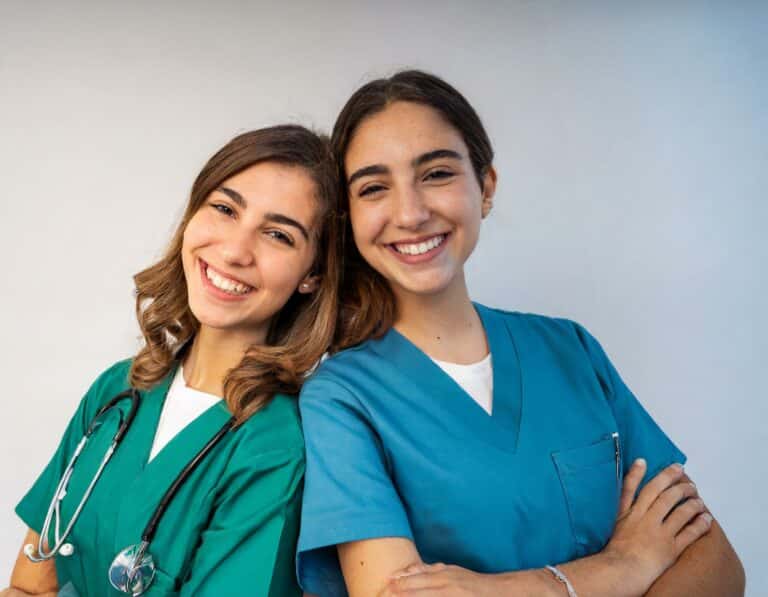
[(420, 248), (226, 284)]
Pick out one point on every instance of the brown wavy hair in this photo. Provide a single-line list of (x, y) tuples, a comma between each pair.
[(303, 329), (367, 304)]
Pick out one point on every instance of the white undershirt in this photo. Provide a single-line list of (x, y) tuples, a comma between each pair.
[(182, 406), (475, 379)]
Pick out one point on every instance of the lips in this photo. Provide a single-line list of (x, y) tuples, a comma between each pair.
[(419, 247), (419, 250), (224, 283)]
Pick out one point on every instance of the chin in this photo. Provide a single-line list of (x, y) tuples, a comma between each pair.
[(213, 318), (216, 323), (426, 286)]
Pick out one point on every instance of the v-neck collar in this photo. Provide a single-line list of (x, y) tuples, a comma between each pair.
[(153, 478), (502, 427)]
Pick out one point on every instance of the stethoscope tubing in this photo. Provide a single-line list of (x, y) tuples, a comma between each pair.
[(54, 510), (170, 493), (125, 423)]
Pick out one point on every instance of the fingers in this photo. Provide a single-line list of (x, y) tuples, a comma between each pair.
[(694, 531), (671, 498), (666, 478), (631, 482), (684, 514)]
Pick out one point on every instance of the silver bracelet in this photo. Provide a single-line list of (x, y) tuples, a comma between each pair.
[(558, 574)]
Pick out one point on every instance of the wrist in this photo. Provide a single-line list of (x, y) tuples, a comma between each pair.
[(537, 582), (623, 572)]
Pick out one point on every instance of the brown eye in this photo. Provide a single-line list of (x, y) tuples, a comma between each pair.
[(438, 175), (281, 236), (223, 208), (370, 190)]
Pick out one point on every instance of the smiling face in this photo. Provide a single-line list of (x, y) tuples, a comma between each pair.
[(250, 246), (414, 199)]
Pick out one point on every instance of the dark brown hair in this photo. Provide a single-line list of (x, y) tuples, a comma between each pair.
[(303, 329), (368, 305)]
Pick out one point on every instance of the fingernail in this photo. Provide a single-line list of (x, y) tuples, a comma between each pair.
[(640, 462), (677, 466), (707, 517)]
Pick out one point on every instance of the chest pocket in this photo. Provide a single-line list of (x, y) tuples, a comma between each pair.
[(591, 482)]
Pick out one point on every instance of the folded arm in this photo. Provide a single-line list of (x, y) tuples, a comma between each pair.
[(708, 568), (647, 545), (30, 578)]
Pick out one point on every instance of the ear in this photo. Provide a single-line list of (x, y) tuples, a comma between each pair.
[(309, 284), (489, 190)]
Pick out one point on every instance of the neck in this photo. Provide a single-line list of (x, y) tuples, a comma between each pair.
[(445, 325), (213, 354)]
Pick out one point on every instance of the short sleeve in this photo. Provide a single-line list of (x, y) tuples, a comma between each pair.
[(640, 435), (348, 494), (248, 546), (33, 507)]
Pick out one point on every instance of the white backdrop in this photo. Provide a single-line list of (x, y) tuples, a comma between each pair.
[(632, 155)]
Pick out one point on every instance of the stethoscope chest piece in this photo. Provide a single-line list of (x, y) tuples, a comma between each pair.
[(132, 570)]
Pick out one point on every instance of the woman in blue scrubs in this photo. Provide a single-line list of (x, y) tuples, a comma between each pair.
[(234, 314), (457, 449)]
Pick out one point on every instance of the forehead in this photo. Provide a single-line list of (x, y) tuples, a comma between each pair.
[(279, 179), (272, 186), (400, 132)]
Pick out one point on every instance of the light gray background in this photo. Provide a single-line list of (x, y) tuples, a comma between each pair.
[(632, 158)]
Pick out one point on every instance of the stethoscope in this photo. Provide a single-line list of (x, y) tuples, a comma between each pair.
[(133, 569)]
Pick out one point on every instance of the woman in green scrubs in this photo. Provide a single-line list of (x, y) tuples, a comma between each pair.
[(237, 311), (457, 449)]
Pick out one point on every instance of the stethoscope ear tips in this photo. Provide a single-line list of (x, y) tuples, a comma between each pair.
[(66, 550)]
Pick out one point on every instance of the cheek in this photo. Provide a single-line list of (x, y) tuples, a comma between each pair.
[(368, 221), (466, 207), (282, 273), (196, 233)]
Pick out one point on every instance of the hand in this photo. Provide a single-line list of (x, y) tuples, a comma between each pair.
[(652, 531), (427, 580)]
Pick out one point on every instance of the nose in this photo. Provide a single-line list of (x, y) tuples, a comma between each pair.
[(238, 250), (409, 209)]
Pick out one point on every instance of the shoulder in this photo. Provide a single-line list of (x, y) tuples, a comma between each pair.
[(109, 383), (340, 373), (558, 333), (116, 375), (537, 323), (339, 391), (276, 428), (264, 457), (339, 377)]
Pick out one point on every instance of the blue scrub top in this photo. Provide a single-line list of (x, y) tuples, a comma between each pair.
[(396, 448)]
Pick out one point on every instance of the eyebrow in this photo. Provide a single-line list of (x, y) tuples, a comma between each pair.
[(283, 219), (415, 162), (270, 216), (234, 195), (433, 155), (368, 171)]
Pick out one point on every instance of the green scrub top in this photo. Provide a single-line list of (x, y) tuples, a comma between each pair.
[(230, 530)]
